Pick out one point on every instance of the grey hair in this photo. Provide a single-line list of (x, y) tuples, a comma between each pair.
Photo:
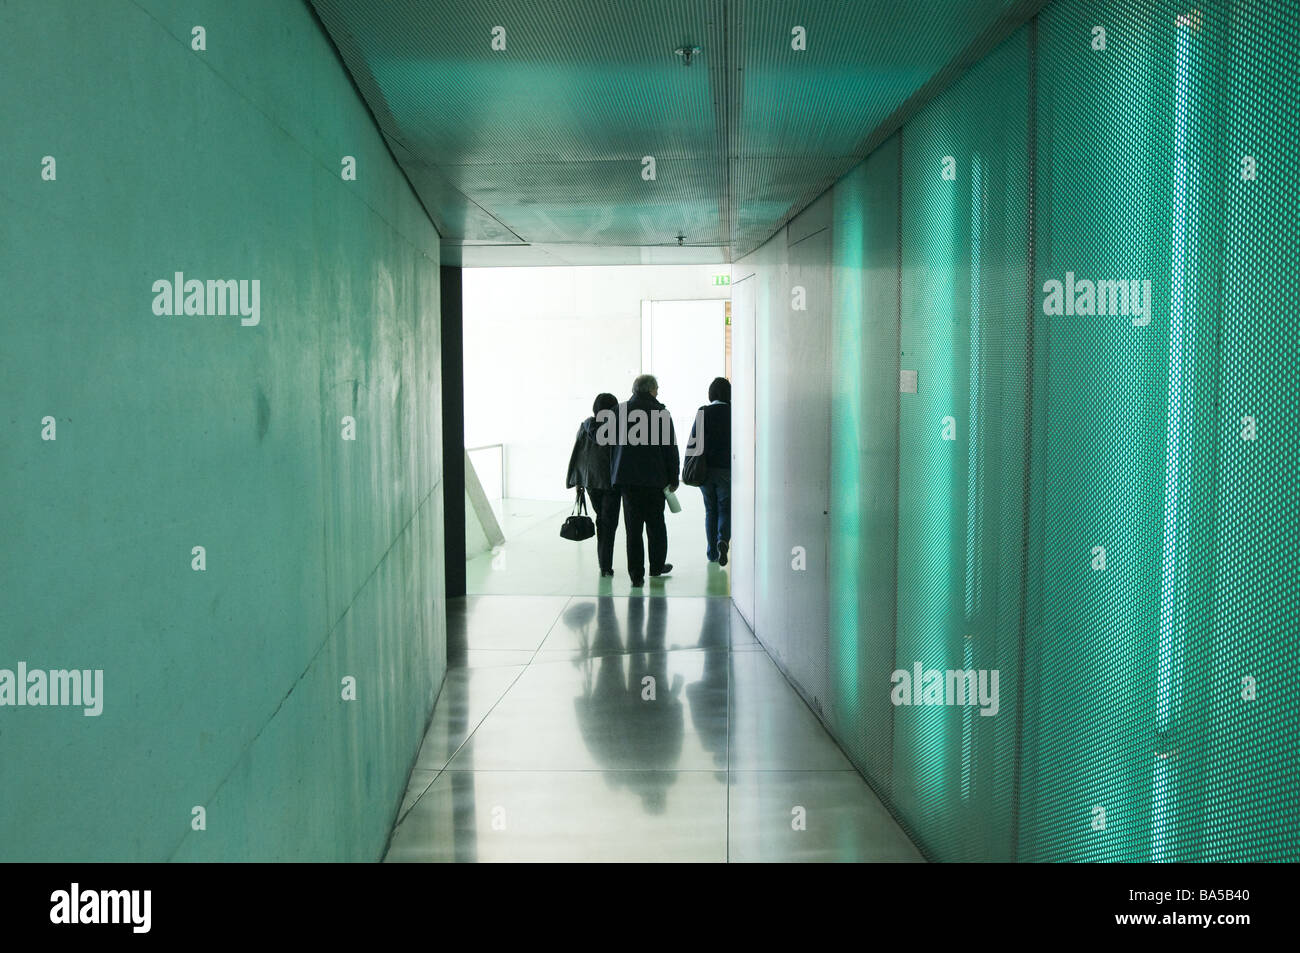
[(644, 384)]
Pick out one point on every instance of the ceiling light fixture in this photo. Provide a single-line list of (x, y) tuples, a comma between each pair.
[(686, 52)]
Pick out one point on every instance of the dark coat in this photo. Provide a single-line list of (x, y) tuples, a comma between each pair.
[(590, 464), (716, 437), (652, 462)]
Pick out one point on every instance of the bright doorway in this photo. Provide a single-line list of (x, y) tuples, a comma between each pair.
[(684, 345)]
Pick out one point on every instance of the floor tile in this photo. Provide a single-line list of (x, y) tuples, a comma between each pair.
[(585, 714), (416, 785), (537, 560), (466, 698), (592, 626), (771, 726), (502, 622), (830, 816), (586, 721), (621, 816)]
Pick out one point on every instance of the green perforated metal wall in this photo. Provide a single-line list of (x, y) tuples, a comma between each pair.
[(963, 331), (1097, 499)]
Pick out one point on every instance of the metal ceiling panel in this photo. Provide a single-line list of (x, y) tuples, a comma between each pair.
[(505, 256), (542, 142)]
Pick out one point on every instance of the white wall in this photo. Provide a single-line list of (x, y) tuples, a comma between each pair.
[(687, 349), (744, 435), (541, 343), (781, 417)]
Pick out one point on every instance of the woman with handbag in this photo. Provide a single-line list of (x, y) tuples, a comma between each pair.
[(708, 466), (590, 470)]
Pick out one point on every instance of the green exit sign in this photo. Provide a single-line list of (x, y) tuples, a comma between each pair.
[(722, 279)]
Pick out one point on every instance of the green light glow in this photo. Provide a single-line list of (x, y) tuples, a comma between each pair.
[(846, 488)]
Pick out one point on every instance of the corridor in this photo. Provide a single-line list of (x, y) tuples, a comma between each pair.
[(971, 322), (546, 747)]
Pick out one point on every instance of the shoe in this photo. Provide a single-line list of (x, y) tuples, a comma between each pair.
[(668, 568), (638, 583), (607, 572), (722, 553)]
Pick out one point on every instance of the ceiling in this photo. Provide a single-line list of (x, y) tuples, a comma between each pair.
[(533, 154)]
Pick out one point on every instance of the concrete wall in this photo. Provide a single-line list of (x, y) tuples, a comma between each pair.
[(222, 688)]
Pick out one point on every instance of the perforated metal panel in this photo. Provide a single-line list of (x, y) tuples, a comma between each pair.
[(541, 141), (1141, 440), (1114, 524), (1101, 391), (1250, 757), (864, 460), (963, 329)]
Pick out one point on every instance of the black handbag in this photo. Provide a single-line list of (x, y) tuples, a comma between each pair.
[(695, 471), (579, 525)]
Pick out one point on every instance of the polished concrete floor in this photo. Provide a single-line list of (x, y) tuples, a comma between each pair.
[(536, 561), (629, 728)]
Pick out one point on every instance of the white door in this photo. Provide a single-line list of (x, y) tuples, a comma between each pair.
[(683, 344)]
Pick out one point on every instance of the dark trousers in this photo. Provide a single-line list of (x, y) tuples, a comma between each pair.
[(717, 509), (643, 507), (604, 511)]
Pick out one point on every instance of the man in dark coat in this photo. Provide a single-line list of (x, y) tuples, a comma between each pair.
[(590, 467), (645, 463)]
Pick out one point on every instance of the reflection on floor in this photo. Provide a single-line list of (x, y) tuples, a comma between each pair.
[(611, 728), (537, 561)]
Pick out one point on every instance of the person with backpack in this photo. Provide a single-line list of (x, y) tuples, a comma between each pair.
[(711, 437)]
